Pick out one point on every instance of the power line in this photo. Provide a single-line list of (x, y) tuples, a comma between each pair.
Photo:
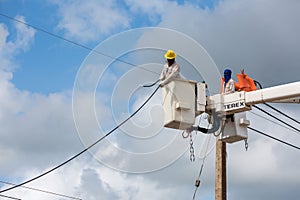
[(276, 118), (9, 197), (274, 122), (44, 191), (78, 154), (282, 113), (74, 43), (262, 133), (260, 86)]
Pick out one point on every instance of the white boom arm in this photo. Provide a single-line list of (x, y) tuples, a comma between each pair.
[(238, 102), (291, 100), (277, 93), (242, 101)]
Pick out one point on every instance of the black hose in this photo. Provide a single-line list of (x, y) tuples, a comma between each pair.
[(216, 123), (215, 128), (257, 83), (151, 85)]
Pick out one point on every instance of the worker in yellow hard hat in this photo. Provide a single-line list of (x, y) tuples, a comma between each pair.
[(171, 70)]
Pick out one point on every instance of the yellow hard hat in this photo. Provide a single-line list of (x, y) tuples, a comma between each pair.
[(170, 54)]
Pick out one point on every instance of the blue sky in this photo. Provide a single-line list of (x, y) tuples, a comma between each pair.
[(51, 63), (42, 127)]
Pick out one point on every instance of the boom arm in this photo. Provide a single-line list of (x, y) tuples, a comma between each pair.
[(242, 101), (271, 94), (291, 100)]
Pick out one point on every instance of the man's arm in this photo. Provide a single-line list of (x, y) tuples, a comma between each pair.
[(174, 73)]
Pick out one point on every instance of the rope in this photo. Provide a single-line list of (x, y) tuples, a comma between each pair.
[(197, 183)]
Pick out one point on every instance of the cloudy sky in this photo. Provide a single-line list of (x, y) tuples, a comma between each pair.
[(57, 97)]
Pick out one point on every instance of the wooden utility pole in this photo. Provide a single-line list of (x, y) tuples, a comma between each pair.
[(220, 183)]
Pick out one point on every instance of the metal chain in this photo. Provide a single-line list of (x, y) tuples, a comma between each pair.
[(185, 134), (246, 144), (192, 151)]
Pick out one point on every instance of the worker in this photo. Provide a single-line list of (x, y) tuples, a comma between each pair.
[(171, 70), (227, 86)]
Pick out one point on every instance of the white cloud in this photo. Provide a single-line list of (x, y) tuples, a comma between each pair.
[(91, 20), (8, 49), (152, 9), (90, 180), (235, 33), (94, 187), (149, 7), (258, 36), (35, 127), (39, 134), (25, 34), (245, 34), (261, 37), (258, 171)]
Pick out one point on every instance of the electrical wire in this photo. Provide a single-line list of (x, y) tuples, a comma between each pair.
[(276, 118), (78, 154), (262, 133), (282, 113), (74, 43), (9, 197), (44, 191), (260, 86), (273, 122)]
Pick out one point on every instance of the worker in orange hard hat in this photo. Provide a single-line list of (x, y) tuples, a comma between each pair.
[(171, 70)]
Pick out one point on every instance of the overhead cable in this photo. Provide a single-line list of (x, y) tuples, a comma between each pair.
[(260, 86), (9, 197), (44, 191), (275, 122), (74, 43), (276, 118), (78, 154), (282, 113), (262, 133)]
